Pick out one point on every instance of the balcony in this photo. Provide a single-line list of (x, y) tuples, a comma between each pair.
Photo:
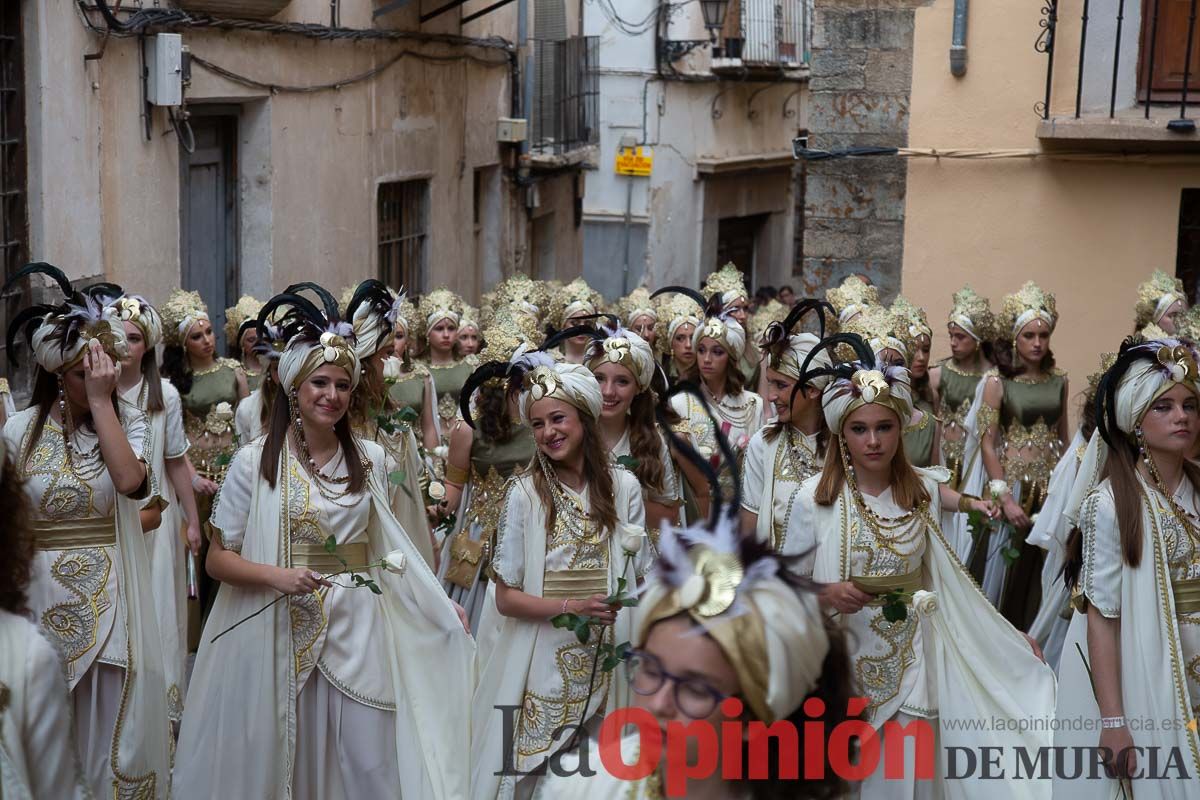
[(763, 37), (564, 106), (1120, 74)]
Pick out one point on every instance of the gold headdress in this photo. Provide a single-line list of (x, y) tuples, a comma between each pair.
[(728, 282), (1028, 304), (470, 318), (881, 330), (973, 314), (503, 339), (756, 325), (1155, 296), (247, 308), (182, 310), (852, 297), (674, 310), (911, 323), (521, 293), (636, 304), (437, 305), (573, 299)]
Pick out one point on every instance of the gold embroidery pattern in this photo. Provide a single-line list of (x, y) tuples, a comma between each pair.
[(954, 449), (590, 546), (305, 612), (72, 626), (880, 676), (794, 464), (986, 419), (1031, 471), (487, 498), (541, 715)]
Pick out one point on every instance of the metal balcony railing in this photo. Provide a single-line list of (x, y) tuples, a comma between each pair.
[(566, 95), (765, 33), (1129, 53)]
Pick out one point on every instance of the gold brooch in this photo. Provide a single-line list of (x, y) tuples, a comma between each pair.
[(1179, 363), (871, 384), (542, 382), (712, 587)]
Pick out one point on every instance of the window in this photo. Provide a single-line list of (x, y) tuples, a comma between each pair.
[(1187, 259), (403, 214), (14, 239)]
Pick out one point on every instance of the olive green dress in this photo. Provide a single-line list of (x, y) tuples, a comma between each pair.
[(956, 393), (447, 383), (466, 553), (210, 433), (918, 438), (1029, 416), (409, 391)]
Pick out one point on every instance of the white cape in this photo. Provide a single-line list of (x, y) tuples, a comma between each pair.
[(239, 728)]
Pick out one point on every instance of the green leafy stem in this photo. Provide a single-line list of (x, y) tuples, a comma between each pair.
[(607, 656), (979, 525), (358, 582)]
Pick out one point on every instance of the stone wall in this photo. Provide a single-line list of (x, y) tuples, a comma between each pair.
[(853, 208)]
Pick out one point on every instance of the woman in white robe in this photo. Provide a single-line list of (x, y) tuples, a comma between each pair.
[(719, 341), (177, 537), (83, 456), (879, 544), (38, 758), (1138, 590), (623, 364), (329, 694), (564, 539), (790, 450)]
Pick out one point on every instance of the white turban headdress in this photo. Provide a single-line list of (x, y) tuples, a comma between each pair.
[(623, 346), (544, 377), (136, 309), (1157, 367), (877, 384)]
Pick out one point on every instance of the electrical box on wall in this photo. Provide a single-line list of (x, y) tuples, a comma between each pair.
[(164, 69), (510, 130)]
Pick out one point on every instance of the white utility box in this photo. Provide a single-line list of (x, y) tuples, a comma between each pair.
[(164, 67), (510, 130)]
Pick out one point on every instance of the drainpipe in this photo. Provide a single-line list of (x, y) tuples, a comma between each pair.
[(958, 40)]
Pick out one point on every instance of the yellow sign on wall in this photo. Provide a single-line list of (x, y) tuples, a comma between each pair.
[(635, 161)]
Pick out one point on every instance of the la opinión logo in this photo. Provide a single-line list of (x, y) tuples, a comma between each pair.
[(693, 750)]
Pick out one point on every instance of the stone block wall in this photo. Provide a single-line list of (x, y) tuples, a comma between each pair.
[(852, 210)]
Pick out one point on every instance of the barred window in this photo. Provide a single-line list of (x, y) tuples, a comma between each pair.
[(403, 214)]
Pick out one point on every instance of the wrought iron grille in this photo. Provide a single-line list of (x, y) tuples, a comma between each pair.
[(1130, 53), (403, 215), (567, 95), (767, 33), (14, 234)]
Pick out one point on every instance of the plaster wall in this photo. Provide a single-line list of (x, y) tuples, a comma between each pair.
[(104, 199)]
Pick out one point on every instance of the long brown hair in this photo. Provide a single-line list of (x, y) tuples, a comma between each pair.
[(907, 490), (16, 541), (370, 395), (645, 442), (154, 395), (596, 473), (277, 434)]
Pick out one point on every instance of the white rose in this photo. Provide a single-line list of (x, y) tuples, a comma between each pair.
[(223, 412), (395, 562), (925, 603), (441, 451), (437, 491), (632, 538), (392, 368), (997, 489)]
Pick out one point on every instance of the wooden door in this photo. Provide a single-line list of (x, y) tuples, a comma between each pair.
[(737, 238), (1163, 67), (208, 236)]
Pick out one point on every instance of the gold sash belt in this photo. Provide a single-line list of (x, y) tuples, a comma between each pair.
[(1187, 595), (575, 583), (69, 534), (316, 557), (882, 584)]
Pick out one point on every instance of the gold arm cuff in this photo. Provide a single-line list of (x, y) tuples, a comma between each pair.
[(964, 500), (1187, 595), (74, 533), (457, 474), (575, 583), (882, 584), (316, 557)]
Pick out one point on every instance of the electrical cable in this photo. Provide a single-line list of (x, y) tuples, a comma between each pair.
[(968, 154)]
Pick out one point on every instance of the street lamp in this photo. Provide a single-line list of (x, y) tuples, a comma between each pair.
[(714, 16)]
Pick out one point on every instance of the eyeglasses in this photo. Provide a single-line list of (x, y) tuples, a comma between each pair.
[(693, 696)]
